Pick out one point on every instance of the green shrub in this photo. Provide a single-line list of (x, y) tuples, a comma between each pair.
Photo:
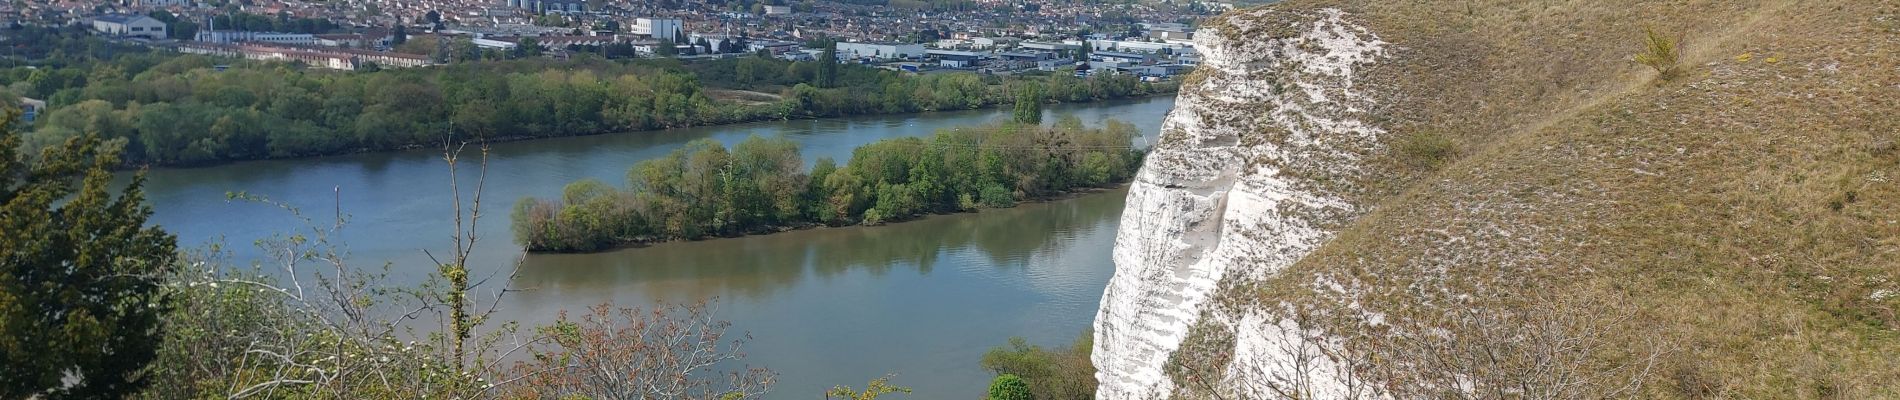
[(1426, 150), (997, 196), (1660, 53), (1009, 387)]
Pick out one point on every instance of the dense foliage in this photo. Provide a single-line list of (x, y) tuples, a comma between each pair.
[(760, 185), (79, 274), (1063, 373), (1009, 387), (181, 109)]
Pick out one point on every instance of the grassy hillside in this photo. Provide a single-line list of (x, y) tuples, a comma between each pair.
[(1551, 218)]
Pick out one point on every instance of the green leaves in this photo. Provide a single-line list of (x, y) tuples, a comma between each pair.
[(1659, 53), (78, 280), (1009, 387), (705, 190)]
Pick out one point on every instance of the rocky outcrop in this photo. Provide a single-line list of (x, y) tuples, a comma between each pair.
[(1492, 199), (1245, 180)]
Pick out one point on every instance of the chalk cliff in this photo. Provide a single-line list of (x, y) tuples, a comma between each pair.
[(1377, 199), (1230, 189)]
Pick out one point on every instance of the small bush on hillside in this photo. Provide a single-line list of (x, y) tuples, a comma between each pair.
[(1426, 150), (1660, 53)]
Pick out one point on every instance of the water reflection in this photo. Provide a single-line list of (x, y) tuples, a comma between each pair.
[(756, 267), (922, 299)]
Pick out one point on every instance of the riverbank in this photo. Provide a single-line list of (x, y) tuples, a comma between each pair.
[(523, 138), (258, 111), (895, 299)]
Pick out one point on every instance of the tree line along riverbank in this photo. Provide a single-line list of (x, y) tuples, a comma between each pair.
[(173, 109), (760, 185)]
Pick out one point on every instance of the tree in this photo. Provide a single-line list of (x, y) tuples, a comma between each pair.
[(1659, 53), (1028, 110), (876, 388), (828, 65), (1063, 373), (79, 274), (666, 48), (670, 352), (528, 47), (434, 18), (1009, 387), (400, 36)]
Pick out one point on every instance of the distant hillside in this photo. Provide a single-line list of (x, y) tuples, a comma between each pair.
[(1491, 199)]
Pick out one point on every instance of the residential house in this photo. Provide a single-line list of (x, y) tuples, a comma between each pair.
[(164, 3)]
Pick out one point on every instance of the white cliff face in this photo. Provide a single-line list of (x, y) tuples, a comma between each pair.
[(1245, 180)]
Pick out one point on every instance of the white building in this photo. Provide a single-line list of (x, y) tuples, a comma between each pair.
[(1131, 46), (659, 28), (1049, 46), (129, 26), (304, 39), (775, 46), (879, 51), (494, 44), (778, 10)]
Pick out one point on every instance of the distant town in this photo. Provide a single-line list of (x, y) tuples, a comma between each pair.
[(1150, 40)]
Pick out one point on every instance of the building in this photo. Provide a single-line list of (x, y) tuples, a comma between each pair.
[(487, 43), (129, 26), (32, 108), (1119, 57), (1050, 46), (550, 6), (990, 42), (956, 59), (1052, 65), (164, 3), (1168, 30), (775, 46), (227, 37), (879, 51), (659, 28), (778, 10), (318, 57), (1024, 56), (1129, 46), (354, 40), (562, 42), (715, 42), (1159, 71)]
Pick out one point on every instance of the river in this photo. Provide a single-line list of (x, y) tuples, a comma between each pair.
[(922, 300)]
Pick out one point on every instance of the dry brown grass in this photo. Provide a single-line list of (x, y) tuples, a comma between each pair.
[(1746, 214)]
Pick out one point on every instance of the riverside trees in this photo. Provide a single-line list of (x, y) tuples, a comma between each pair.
[(183, 109), (759, 185), (79, 274)]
